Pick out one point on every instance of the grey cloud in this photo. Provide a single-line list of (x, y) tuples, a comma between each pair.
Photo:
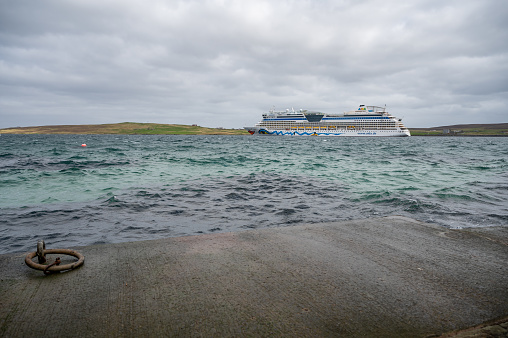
[(221, 63)]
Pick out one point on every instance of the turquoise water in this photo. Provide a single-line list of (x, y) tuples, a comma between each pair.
[(123, 188)]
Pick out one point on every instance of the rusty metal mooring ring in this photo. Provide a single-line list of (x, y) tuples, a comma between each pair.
[(55, 268)]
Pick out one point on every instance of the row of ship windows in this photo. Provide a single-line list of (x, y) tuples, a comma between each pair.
[(362, 126), (338, 126), (333, 128), (335, 124)]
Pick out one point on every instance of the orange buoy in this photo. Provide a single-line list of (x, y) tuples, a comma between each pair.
[(83, 145)]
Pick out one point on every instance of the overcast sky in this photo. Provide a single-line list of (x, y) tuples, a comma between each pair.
[(223, 63)]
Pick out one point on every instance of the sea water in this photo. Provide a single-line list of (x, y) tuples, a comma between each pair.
[(128, 188)]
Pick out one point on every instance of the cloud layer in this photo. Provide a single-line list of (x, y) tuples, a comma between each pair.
[(222, 63)]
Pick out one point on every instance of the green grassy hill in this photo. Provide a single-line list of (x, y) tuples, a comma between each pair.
[(125, 128), (494, 129)]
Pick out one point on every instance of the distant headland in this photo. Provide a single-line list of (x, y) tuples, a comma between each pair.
[(493, 129), (133, 128), (125, 128)]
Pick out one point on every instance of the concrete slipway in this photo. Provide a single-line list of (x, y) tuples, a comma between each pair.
[(383, 277)]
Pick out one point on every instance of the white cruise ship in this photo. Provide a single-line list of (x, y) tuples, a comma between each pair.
[(365, 121)]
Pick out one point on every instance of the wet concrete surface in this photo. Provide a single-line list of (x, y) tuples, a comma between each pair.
[(382, 277)]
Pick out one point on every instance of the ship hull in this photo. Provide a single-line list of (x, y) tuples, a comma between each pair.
[(344, 133)]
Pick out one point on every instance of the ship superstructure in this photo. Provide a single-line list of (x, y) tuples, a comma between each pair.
[(365, 121)]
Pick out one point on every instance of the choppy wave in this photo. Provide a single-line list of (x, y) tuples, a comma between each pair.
[(137, 187)]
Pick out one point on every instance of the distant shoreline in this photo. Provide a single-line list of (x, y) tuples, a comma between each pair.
[(133, 128), (125, 128), (493, 129)]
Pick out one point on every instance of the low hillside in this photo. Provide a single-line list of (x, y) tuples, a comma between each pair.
[(494, 129), (124, 128)]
